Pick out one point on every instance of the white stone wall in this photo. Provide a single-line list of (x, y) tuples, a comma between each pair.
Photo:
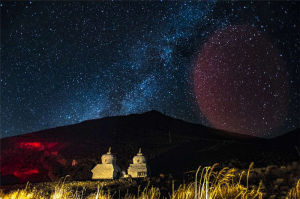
[(138, 170), (105, 171)]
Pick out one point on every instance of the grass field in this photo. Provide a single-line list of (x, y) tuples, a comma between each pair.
[(209, 183)]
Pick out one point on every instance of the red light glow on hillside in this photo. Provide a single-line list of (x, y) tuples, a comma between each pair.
[(37, 145), (32, 145), (26, 159), (23, 174)]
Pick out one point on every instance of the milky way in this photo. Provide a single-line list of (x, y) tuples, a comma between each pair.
[(66, 62)]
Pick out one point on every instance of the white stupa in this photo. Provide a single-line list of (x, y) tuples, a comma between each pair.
[(108, 169), (139, 167)]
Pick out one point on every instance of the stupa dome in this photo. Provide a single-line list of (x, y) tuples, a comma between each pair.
[(139, 158), (108, 158)]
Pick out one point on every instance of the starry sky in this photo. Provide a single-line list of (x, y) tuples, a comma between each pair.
[(66, 62)]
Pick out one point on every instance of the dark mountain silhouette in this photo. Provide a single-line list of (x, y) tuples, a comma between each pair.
[(170, 145)]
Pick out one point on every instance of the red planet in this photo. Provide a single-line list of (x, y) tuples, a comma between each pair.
[(240, 82)]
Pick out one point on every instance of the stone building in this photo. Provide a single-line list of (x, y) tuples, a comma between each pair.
[(108, 169), (139, 167)]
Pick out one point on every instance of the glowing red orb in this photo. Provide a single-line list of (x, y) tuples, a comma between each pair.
[(240, 82)]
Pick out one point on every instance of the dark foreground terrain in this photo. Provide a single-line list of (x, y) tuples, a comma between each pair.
[(174, 150), (273, 182)]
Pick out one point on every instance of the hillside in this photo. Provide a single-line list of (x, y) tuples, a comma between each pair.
[(170, 145)]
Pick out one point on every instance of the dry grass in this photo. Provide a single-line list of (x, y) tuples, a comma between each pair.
[(294, 193), (209, 184), (100, 194), (147, 193), (215, 185), (23, 194)]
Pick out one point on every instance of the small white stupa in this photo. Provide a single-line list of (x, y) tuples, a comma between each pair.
[(108, 169), (139, 167)]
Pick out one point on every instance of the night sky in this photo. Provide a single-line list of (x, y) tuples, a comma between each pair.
[(233, 66)]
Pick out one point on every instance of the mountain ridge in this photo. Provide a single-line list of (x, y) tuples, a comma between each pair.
[(153, 114), (48, 154)]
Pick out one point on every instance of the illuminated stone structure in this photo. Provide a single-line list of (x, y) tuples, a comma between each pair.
[(139, 167), (108, 169)]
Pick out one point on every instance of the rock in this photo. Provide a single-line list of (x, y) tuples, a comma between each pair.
[(279, 181), (272, 196), (270, 168), (162, 176), (283, 167)]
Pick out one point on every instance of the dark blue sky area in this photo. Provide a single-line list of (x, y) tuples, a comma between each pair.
[(66, 62)]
